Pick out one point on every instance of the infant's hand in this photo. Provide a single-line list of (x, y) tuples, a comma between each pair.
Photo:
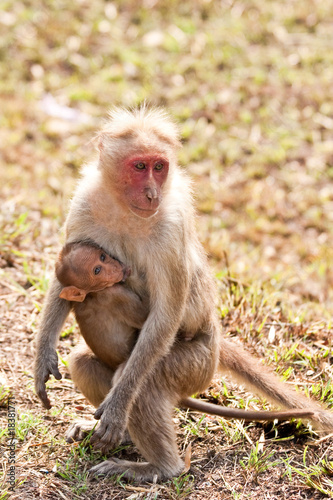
[(48, 366)]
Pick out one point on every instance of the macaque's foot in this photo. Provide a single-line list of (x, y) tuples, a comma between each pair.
[(133, 471), (79, 430)]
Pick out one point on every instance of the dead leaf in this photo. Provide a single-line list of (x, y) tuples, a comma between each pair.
[(261, 443), (188, 454), (271, 334)]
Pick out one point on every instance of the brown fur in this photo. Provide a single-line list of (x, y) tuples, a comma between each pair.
[(85, 267), (169, 268)]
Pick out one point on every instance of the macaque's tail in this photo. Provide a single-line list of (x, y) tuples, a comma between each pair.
[(242, 367), (247, 415)]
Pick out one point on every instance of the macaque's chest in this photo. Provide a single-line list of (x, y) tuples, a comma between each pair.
[(103, 329), (131, 252)]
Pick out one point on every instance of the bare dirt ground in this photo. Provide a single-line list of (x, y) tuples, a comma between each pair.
[(250, 84)]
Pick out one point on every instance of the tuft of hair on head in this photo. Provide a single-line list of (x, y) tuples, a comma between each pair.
[(62, 267), (65, 267), (126, 124)]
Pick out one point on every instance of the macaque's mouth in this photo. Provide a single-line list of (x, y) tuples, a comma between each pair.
[(148, 210), (144, 213), (126, 273)]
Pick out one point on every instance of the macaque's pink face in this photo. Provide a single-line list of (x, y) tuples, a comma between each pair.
[(97, 270), (142, 178)]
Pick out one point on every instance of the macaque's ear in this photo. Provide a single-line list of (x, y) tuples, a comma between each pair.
[(73, 294), (99, 142), (105, 146)]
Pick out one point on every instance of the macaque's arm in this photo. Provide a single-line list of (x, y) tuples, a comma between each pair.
[(55, 312), (156, 337)]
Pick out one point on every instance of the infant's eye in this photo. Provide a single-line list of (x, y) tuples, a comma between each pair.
[(140, 165), (103, 257), (97, 270)]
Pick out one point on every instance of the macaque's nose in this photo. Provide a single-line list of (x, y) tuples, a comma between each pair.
[(151, 193)]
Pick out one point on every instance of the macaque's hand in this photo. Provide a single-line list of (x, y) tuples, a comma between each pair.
[(112, 426), (42, 375)]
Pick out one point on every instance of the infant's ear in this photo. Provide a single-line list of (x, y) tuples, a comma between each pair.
[(73, 294)]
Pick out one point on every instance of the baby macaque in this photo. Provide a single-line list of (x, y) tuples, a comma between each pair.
[(84, 267)]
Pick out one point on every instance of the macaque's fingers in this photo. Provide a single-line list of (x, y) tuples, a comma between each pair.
[(106, 438), (109, 441), (44, 399), (46, 402), (41, 393), (111, 429), (78, 431), (99, 412), (56, 373), (42, 375), (52, 367), (103, 469)]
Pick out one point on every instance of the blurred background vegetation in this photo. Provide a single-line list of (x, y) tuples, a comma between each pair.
[(250, 83)]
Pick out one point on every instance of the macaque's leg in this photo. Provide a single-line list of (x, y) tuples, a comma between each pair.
[(152, 431), (150, 421), (90, 375), (94, 379)]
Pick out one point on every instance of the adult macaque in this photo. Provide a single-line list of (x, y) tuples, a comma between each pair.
[(136, 203), (85, 268)]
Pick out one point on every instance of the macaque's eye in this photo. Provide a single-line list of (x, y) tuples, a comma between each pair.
[(159, 165), (97, 270), (103, 257), (140, 165)]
